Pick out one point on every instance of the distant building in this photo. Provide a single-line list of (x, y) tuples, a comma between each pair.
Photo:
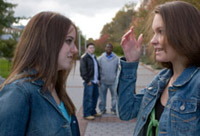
[(6, 36), (8, 32)]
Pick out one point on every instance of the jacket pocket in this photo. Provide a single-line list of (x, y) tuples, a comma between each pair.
[(184, 116), (150, 94)]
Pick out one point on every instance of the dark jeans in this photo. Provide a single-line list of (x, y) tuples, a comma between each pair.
[(90, 97)]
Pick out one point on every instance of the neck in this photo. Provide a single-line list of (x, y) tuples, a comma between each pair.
[(108, 53), (178, 68), (55, 95)]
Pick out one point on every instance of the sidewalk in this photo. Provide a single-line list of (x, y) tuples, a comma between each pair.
[(108, 124)]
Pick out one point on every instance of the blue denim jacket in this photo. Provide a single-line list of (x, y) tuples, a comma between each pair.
[(26, 110), (181, 115)]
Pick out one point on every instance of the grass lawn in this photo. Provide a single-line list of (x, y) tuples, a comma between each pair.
[(5, 66)]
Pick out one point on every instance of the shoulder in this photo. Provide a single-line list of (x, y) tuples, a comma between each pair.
[(14, 90), (102, 55), (21, 86), (163, 74), (195, 75), (84, 55)]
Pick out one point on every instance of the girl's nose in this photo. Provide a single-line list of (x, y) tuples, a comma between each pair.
[(154, 40), (74, 49)]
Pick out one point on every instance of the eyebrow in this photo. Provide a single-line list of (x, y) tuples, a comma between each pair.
[(70, 37), (157, 28), (160, 27)]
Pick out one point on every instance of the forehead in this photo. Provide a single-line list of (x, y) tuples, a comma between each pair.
[(157, 22), (91, 46), (108, 46), (71, 31)]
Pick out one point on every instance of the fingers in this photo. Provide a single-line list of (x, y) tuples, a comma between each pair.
[(140, 39), (127, 36), (123, 41), (131, 36)]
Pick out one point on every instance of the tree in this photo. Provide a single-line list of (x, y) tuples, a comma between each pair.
[(7, 15), (119, 24), (114, 30), (7, 48)]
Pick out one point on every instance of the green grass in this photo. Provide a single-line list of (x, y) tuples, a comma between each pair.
[(5, 66)]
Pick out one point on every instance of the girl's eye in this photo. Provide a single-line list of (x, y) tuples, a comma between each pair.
[(68, 41), (161, 31)]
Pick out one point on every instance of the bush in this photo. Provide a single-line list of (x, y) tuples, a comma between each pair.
[(5, 66)]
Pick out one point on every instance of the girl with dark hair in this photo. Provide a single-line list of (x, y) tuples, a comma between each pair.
[(170, 104)]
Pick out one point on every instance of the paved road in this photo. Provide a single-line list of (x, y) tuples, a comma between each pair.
[(108, 124)]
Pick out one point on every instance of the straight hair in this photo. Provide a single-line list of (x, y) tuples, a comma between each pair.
[(182, 24), (38, 48)]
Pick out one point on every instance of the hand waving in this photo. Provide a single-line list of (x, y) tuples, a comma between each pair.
[(132, 48)]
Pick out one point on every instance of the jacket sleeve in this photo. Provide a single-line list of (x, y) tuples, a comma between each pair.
[(128, 102), (14, 111), (83, 70)]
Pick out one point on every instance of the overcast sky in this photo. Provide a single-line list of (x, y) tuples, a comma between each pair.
[(89, 15)]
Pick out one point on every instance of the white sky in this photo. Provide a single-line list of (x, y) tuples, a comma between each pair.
[(89, 15)]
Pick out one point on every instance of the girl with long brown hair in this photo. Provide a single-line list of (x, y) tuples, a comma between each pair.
[(33, 99)]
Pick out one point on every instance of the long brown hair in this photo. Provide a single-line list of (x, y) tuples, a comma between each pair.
[(182, 23), (38, 48)]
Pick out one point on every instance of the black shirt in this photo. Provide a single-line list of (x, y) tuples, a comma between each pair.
[(158, 112)]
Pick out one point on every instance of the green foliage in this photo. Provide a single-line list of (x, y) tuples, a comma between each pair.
[(118, 49), (7, 15), (5, 66), (113, 31), (7, 48), (119, 24)]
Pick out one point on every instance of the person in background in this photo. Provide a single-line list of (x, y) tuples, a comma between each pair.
[(33, 99), (89, 70), (170, 104), (108, 63)]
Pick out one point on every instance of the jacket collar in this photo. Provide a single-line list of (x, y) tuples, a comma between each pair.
[(186, 76), (38, 82), (48, 97), (45, 94)]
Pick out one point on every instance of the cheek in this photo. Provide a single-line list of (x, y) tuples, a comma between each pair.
[(162, 40)]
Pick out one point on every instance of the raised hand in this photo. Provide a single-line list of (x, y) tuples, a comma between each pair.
[(132, 48)]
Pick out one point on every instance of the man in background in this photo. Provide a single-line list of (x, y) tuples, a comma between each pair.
[(108, 63), (89, 70)]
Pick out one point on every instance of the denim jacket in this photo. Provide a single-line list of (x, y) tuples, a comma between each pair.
[(181, 115), (26, 110)]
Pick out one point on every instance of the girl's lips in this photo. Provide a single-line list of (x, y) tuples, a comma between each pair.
[(158, 50)]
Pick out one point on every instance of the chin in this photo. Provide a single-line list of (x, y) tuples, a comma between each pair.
[(67, 67), (159, 60)]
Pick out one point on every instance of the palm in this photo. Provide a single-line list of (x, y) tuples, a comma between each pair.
[(132, 48)]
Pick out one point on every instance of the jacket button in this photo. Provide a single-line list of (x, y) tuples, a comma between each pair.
[(150, 88), (182, 107)]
